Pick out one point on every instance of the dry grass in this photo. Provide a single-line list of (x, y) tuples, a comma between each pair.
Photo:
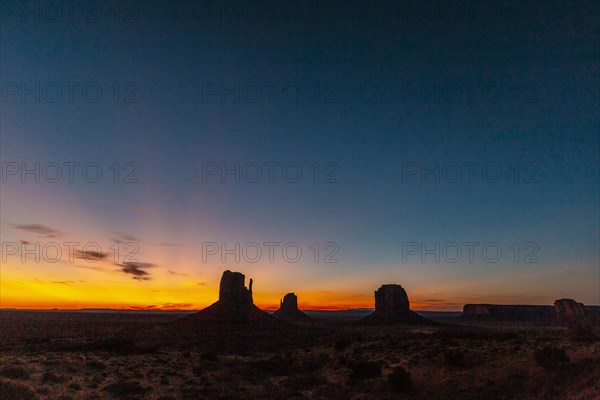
[(354, 363)]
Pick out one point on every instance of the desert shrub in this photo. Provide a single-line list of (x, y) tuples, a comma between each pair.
[(51, 377), (314, 363), (125, 389), (94, 364), (71, 369), (14, 373), (115, 345), (454, 358), (341, 344), (15, 391), (364, 370), (210, 356), (305, 381), (430, 354), (551, 357), (582, 333), (277, 366), (323, 359), (400, 379), (74, 386)]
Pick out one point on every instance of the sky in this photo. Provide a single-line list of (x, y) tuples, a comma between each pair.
[(322, 148)]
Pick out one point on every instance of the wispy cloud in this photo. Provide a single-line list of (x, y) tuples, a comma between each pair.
[(125, 237), (43, 282), (98, 268), (165, 306), (38, 229), (176, 273), (128, 238), (167, 244)]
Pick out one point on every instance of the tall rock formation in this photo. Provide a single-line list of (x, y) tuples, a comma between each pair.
[(232, 291), (288, 310), (234, 313), (392, 306)]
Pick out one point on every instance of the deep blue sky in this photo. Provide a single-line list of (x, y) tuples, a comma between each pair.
[(382, 64)]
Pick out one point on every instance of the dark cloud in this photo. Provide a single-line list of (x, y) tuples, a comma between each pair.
[(38, 229), (150, 307), (90, 255), (137, 270)]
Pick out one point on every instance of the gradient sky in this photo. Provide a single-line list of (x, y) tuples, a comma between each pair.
[(385, 86)]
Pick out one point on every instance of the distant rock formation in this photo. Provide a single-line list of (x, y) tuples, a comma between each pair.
[(508, 313), (568, 311), (288, 310), (564, 312), (392, 306), (477, 311)]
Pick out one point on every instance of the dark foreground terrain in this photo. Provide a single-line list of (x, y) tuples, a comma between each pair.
[(68, 355)]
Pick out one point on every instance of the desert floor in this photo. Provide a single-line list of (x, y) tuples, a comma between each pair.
[(47, 356)]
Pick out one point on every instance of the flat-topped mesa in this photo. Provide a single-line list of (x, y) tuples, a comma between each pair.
[(392, 306), (391, 299), (232, 289), (288, 309)]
